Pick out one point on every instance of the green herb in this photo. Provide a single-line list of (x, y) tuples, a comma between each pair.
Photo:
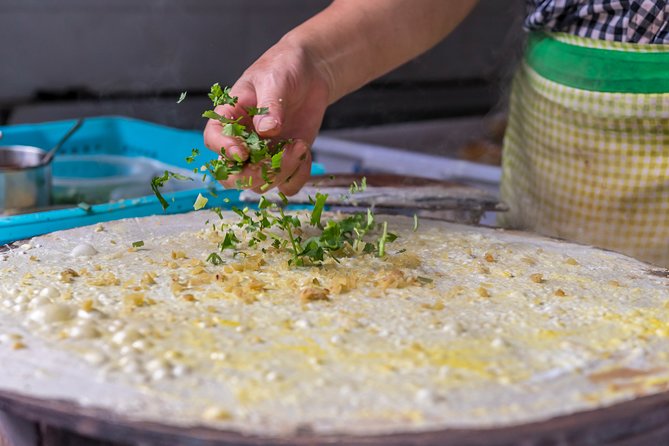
[(415, 222), (253, 111), (182, 97), (319, 205), (230, 241), (269, 225), (217, 211), (263, 151), (221, 96), (158, 182), (355, 188), (234, 129), (424, 280), (200, 202), (284, 199), (194, 153), (84, 206), (214, 258), (138, 244), (386, 237), (276, 160), (264, 203)]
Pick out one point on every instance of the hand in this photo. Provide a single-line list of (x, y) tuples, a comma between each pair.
[(289, 82)]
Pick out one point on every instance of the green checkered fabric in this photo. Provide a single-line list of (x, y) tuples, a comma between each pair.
[(588, 166)]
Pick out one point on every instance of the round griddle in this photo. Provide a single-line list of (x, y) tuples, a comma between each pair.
[(637, 422), (642, 421)]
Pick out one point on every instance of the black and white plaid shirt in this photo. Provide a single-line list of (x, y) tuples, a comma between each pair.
[(633, 21)]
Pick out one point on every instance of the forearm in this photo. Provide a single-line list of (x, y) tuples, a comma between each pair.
[(355, 41)]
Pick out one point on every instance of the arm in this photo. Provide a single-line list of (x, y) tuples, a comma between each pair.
[(337, 51), (357, 41)]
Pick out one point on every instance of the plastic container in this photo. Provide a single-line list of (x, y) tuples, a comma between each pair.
[(98, 179), (111, 138)]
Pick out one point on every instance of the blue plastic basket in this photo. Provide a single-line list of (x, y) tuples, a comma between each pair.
[(108, 136)]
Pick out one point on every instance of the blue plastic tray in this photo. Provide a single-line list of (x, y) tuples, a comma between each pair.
[(109, 136)]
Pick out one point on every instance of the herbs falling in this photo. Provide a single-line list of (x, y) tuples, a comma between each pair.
[(309, 241), (262, 151)]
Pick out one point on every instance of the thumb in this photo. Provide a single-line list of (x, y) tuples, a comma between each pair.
[(268, 125)]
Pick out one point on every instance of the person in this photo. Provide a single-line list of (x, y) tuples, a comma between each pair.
[(586, 151)]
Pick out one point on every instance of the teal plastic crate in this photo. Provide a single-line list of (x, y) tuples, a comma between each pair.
[(110, 136), (116, 136)]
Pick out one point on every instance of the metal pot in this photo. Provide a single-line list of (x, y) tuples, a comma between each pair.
[(25, 180)]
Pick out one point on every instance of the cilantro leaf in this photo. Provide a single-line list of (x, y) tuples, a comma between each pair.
[(158, 182), (234, 129), (253, 111), (194, 153), (221, 96)]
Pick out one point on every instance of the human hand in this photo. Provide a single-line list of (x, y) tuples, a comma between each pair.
[(289, 83)]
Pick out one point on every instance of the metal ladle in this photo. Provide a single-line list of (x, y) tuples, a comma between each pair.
[(51, 153)]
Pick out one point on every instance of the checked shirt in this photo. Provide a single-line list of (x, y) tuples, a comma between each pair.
[(630, 21)]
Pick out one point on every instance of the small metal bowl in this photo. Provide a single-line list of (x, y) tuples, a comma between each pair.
[(25, 180)]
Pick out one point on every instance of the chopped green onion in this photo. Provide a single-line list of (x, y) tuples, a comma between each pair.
[(263, 203), (382, 240), (284, 199), (276, 160), (319, 205)]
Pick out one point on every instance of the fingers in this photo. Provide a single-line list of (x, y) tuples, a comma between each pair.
[(249, 178), (296, 161), (298, 177), (216, 141), (295, 171), (214, 138), (269, 125), (294, 155), (271, 89)]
